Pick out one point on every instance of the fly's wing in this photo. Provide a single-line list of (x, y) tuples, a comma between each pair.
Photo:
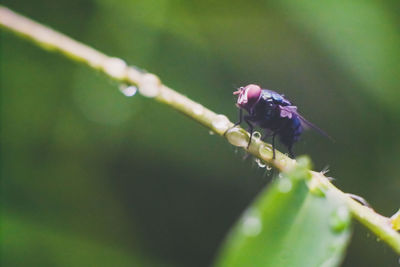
[(289, 111), (306, 124)]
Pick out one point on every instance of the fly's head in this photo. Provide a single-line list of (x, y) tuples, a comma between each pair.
[(248, 96)]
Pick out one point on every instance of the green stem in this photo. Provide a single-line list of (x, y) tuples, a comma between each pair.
[(151, 86)]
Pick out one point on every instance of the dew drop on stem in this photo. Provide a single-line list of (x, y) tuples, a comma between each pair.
[(149, 85), (260, 163), (115, 67), (265, 151), (128, 91), (237, 137), (220, 122), (256, 135)]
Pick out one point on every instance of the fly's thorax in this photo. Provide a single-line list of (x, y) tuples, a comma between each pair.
[(274, 97)]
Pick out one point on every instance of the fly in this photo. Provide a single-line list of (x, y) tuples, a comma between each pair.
[(273, 113)]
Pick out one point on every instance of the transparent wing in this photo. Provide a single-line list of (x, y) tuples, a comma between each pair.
[(288, 111), (306, 124)]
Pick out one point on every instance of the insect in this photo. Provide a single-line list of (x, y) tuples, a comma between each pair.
[(272, 112)]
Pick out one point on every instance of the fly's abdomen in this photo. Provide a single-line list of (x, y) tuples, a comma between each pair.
[(290, 133)]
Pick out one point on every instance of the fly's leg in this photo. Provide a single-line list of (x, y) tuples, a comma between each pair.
[(273, 145), (251, 129), (290, 146), (240, 118), (237, 123), (291, 154)]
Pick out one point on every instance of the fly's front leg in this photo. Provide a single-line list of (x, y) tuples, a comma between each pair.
[(251, 128), (240, 118), (237, 123), (291, 154)]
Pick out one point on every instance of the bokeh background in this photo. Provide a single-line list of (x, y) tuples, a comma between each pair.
[(93, 178)]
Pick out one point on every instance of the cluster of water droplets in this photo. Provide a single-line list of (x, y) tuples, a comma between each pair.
[(262, 164)]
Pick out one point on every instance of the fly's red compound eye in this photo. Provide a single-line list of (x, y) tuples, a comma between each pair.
[(248, 96), (253, 93)]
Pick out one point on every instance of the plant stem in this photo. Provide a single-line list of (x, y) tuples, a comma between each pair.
[(151, 86)]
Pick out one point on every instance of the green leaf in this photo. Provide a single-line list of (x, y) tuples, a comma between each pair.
[(289, 226)]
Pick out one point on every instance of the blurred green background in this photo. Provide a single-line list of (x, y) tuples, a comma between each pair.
[(93, 178)]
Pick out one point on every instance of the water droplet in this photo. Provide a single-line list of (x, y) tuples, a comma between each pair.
[(284, 185), (149, 85), (340, 219), (251, 223), (237, 137), (256, 135), (265, 151), (211, 132), (260, 163), (220, 123), (115, 67), (128, 90), (198, 109), (269, 167)]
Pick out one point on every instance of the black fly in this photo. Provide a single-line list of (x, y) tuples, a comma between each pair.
[(272, 112)]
